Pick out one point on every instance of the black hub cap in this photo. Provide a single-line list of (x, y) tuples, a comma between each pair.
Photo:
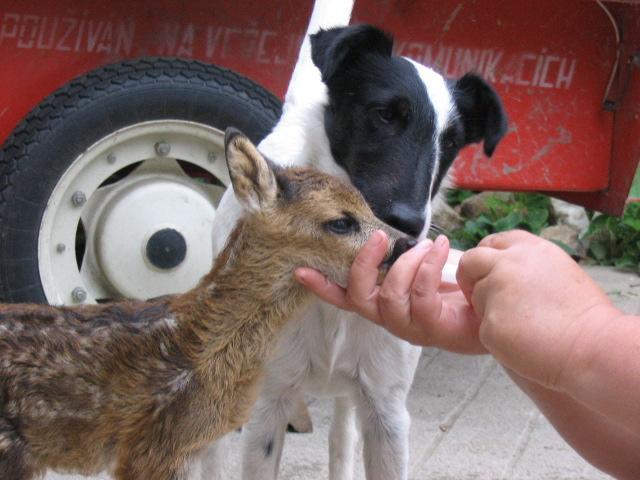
[(166, 248)]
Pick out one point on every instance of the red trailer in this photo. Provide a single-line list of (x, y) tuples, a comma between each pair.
[(92, 90)]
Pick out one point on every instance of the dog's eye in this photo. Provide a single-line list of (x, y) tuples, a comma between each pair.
[(342, 226), (449, 144), (385, 114)]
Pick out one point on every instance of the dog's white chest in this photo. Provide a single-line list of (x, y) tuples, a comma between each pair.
[(335, 351)]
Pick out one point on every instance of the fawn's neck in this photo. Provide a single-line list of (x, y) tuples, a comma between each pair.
[(239, 307)]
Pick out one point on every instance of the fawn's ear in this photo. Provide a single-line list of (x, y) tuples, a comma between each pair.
[(252, 175)]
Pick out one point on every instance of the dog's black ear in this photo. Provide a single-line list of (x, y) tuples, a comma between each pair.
[(481, 112), (333, 48)]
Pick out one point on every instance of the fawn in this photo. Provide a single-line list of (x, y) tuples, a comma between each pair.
[(139, 387)]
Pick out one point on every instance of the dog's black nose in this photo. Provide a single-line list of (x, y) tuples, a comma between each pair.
[(401, 246), (406, 219)]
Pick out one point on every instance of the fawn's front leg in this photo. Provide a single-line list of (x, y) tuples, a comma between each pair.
[(129, 470), (150, 462)]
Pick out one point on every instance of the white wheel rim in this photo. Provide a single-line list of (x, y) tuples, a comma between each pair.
[(121, 219)]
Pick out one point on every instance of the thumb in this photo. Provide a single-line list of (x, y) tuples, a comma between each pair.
[(321, 286), (475, 264)]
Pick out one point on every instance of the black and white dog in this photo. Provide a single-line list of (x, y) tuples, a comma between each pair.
[(392, 127)]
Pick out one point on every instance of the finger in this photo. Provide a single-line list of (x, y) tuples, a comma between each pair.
[(425, 300), (504, 240), (457, 327), (395, 293), (427, 280), (475, 265), (480, 295), (322, 287), (363, 275)]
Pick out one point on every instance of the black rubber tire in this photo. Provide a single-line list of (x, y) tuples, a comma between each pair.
[(87, 109)]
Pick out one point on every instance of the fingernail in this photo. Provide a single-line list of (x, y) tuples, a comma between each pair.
[(300, 276), (376, 238), (441, 241), (426, 244)]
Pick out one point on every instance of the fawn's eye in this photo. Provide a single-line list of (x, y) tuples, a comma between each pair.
[(342, 226)]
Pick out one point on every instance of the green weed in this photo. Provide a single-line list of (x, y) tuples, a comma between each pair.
[(612, 240), (527, 211), (616, 240)]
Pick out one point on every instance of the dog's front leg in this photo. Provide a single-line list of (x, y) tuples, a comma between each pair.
[(385, 432), (342, 440), (263, 437), (212, 461)]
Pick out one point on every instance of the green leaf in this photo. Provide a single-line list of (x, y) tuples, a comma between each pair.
[(567, 248), (456, 197), (537, 219), (625, 262), (632, 222), (599, 250), (511, 221)]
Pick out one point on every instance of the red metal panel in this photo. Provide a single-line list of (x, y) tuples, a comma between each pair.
[(45, 44), (549, 60), (625, 154)]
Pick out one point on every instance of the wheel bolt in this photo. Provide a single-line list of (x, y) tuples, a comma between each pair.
[(79, 294), (60, 247), (78, 198), (162, 148), (111, 158)]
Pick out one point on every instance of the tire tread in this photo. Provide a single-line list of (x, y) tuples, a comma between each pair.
[(107, 80)]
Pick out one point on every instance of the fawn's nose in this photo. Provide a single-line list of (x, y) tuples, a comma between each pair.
[(401, 246), (406, 219)]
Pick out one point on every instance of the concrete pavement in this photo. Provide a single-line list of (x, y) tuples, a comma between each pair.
[(469, 422)]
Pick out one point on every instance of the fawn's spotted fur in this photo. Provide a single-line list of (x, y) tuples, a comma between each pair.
[(138, 388)]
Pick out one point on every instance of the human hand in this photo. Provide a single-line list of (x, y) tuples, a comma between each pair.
[(539, 310), (408, 303)]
